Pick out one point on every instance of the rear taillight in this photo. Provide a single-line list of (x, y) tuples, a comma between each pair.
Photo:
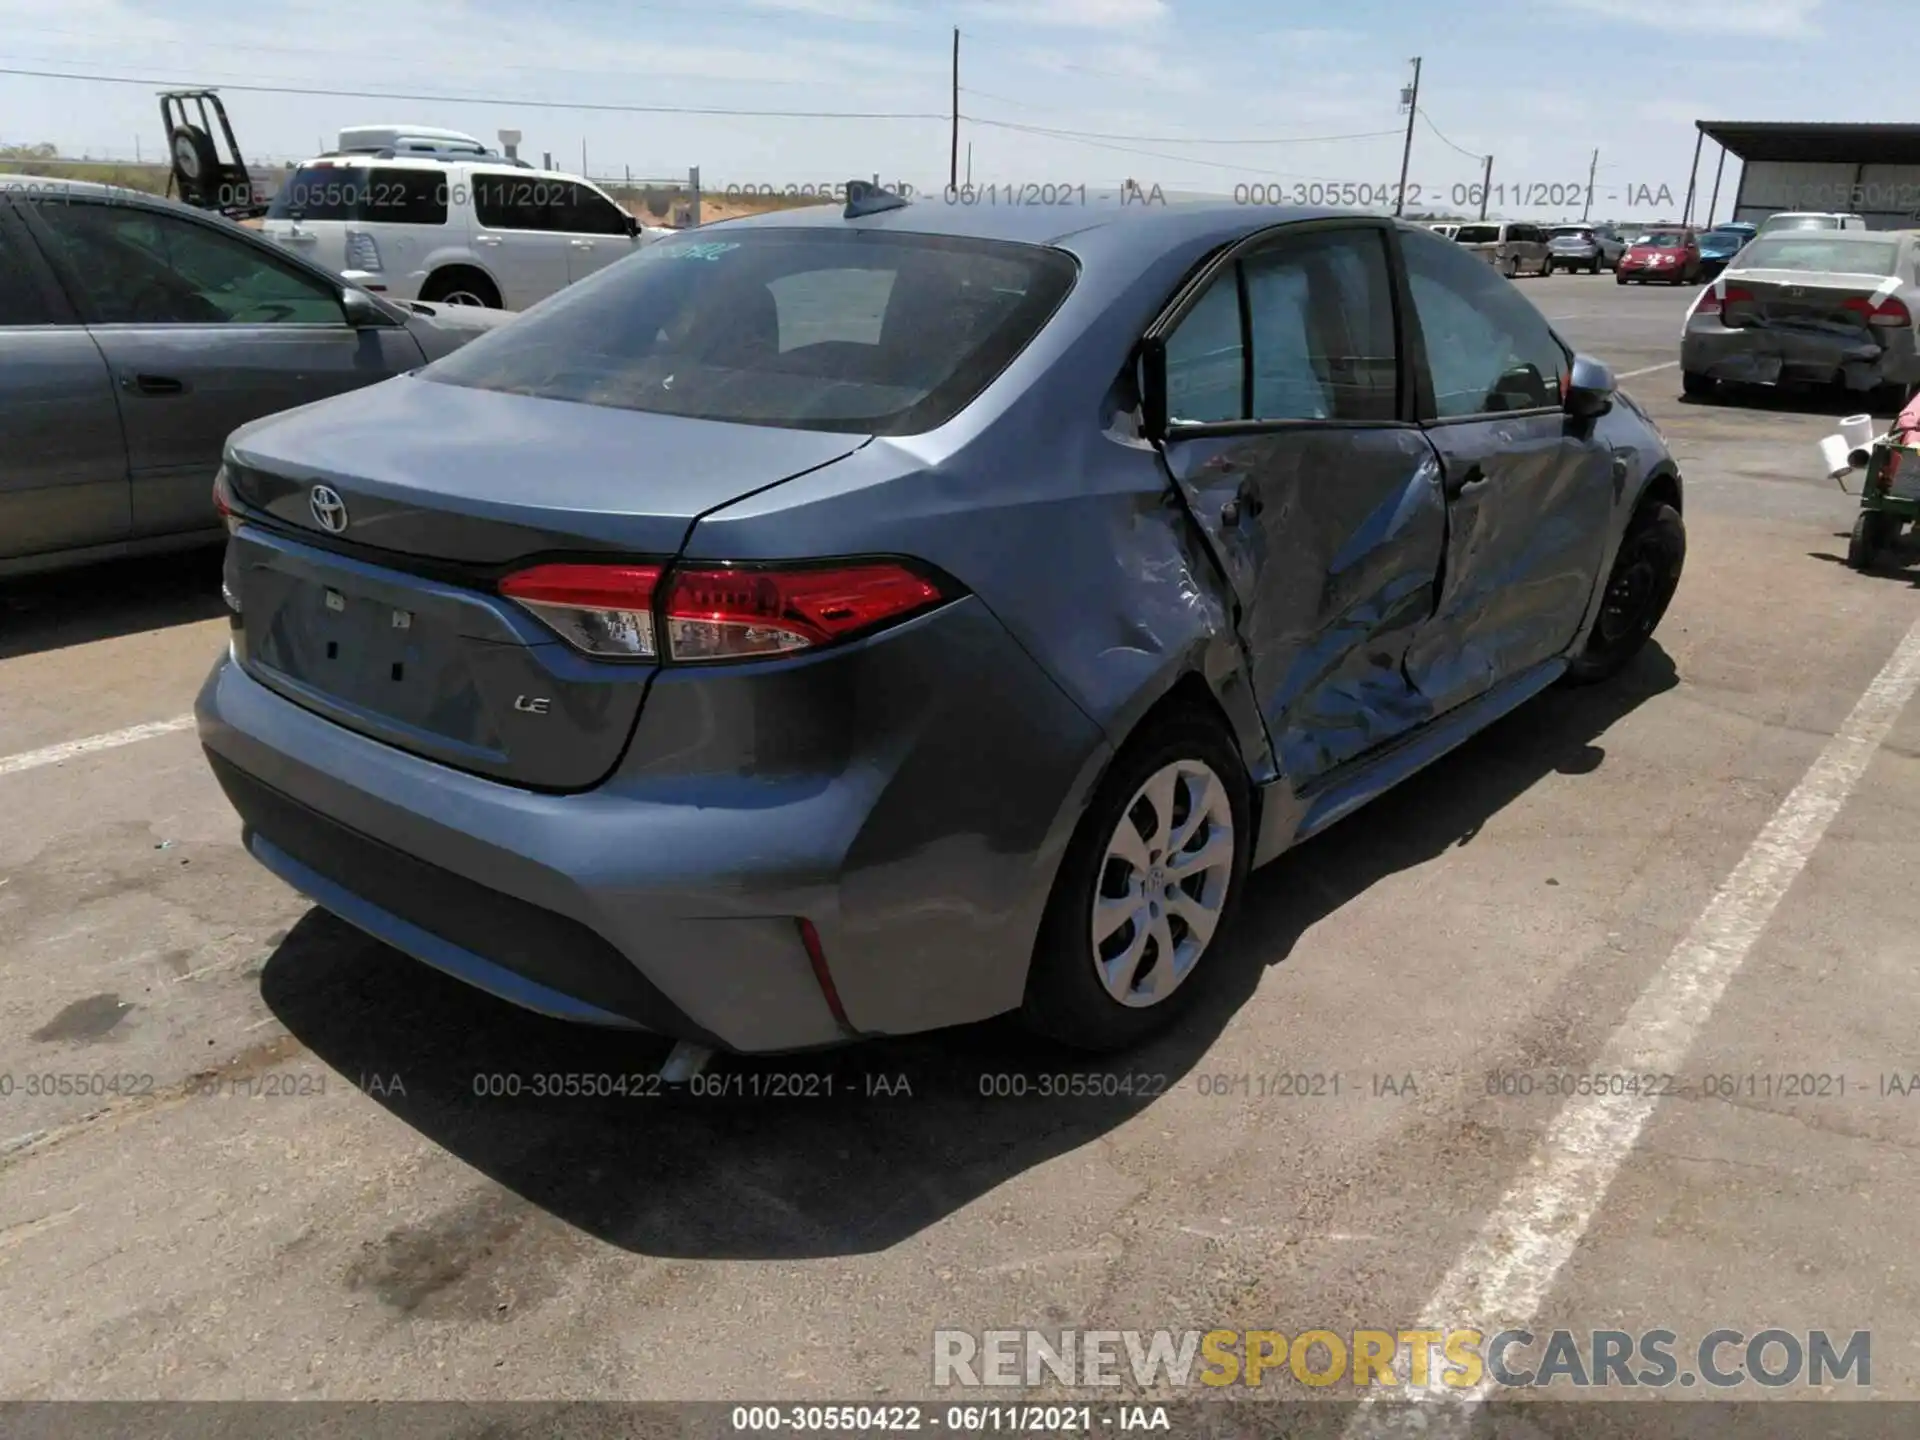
[(718, 612), (223, 500), (1709, 303), (736, 614), (1888, 312), (604, 610)]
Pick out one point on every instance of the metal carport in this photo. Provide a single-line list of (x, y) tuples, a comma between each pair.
[(1870, 170)]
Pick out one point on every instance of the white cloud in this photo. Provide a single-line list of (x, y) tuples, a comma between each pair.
[(1774, 19)]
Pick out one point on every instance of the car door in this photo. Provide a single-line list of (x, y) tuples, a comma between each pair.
[(518, 239), (1528, 495), (598, 232), (1291, 437), (203, 328), (63, 483)]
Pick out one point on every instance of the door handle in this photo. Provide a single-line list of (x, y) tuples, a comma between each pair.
[(153, 384), (1472, 475), (581, 244), (1245, 505), (486, 239)]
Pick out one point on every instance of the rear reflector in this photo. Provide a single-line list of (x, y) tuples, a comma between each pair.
[(605, 610), (718, 613), (817, 958), (736, 614)]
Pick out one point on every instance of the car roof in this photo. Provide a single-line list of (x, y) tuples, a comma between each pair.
[(61, 185), (1099, 222), (439, 163)]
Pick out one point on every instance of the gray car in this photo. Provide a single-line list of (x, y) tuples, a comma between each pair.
[(135, 335), (1591, 248), (1809, 307), (850, 623)]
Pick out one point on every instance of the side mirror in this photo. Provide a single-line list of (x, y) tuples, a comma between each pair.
[(633, 224), (1153, 388), (363, 312), (1589, 389)]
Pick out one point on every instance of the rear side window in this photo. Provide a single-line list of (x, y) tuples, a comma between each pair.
[(1319, 315), (1488, 349), (21, 300), (389, 195), (817, 329), (1478, 235)]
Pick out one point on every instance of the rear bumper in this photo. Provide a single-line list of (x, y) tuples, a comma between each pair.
[(1763, 355), (909, 797)]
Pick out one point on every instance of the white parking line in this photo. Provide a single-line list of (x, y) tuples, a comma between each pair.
[(54, 754), (1648, 369), (1503, 1277)]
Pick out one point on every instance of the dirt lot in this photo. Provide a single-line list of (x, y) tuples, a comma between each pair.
[(300, 1192)]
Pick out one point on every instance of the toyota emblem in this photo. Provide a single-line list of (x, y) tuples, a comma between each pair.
[(329, 510)]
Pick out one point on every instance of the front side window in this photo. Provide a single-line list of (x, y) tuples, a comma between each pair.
[(840, 330), (1488, 349), (143, 267), (1319, 319), (591, 213)]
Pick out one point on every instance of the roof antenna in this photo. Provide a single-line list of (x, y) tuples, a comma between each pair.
[(866, 198)]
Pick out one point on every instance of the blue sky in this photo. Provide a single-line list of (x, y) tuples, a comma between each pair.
[(1540, 83)]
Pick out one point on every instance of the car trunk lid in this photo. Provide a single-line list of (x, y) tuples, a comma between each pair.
[(1797, 300), (374, 534)]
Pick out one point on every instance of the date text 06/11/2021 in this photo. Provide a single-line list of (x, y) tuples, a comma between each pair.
[(1371, 196)]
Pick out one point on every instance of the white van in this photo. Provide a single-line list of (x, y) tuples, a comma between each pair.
[(482, 231)]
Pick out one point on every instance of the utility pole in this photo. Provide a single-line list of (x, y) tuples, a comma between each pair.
[(1714, 203), (1486, 186), (953, 153), (1592, 170), (1412, 96), (1693, 176), (583, 157)]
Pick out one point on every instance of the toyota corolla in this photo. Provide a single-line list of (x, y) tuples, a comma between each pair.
[(855, 622)]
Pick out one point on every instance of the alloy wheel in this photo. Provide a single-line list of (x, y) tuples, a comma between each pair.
[(1162, 883)]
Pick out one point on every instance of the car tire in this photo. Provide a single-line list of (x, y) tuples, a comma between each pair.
[(1512, 268), (1697, 385), (1547, 268), (1873, 531), (1646, 572), (1593, 266), (1183, 760), (461, 285), (1618, 278)]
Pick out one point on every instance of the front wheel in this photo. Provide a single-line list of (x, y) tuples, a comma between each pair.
[(1593, 266), (1872, 532), (1645, 574), (1618, 278), (1146, 885)]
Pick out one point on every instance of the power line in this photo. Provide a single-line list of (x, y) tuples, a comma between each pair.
[(1178, 139), (499, 100), (1470, 154)]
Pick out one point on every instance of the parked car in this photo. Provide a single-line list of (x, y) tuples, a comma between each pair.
[(459, 232), (1510, 246), (1719, 245), (1812, 307), (1812, 220), (1583, 247), (1671, 256), (856, 623), (138, 333)]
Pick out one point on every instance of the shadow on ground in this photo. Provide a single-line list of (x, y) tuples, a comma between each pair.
[(886, 1138), (99, 602), (1800, 400)]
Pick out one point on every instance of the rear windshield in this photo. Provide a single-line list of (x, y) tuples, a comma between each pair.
[(1478, 234), (364, 193), (1571, 232), (813, 329), (1830, 251), (1804, 222)]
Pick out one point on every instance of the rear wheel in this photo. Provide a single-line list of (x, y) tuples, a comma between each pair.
[(1512, 268), (1696, 384), (1146, 886), (461, 285), (1873, 531), (1645, 574), (1593, 266)]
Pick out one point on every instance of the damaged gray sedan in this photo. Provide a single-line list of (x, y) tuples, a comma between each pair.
[(852, 623), (1811, 307)]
